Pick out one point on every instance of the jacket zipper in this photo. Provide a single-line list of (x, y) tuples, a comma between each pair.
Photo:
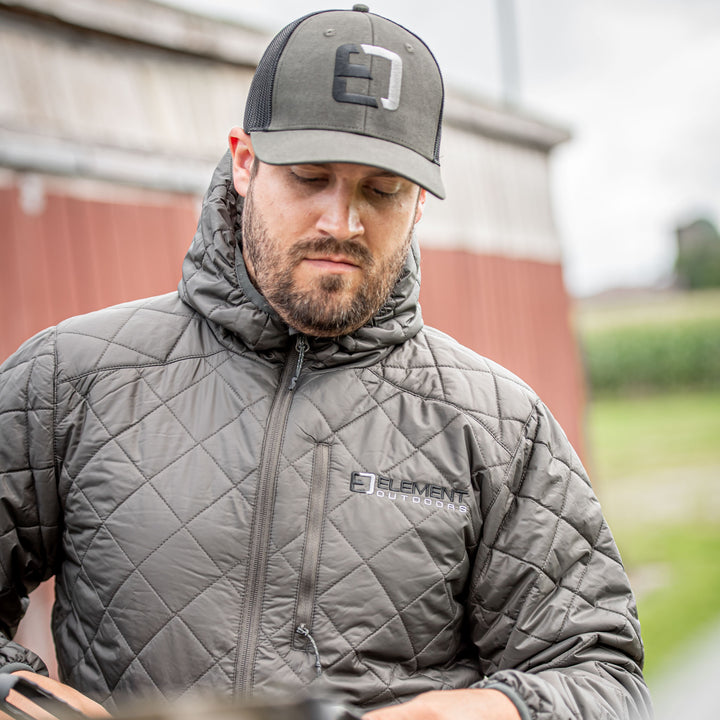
[(262, 519), (314, 526), (301, 345)]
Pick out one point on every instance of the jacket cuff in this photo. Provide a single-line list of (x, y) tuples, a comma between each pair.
[(16, 657), (511, 694), (14, 666)]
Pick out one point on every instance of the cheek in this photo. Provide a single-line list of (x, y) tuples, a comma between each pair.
[(287, 221), (392, 255), (280, 213), (392, 234)]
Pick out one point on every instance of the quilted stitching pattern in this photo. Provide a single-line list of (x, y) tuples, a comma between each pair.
[(168, 521)]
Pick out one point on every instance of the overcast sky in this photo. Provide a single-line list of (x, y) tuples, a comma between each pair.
[(636, 81)]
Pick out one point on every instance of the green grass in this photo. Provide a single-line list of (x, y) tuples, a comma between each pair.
[(655, 457), (687, 556), (637, 435), (655, 462)]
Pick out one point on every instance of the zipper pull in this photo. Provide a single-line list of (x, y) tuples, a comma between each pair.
[(301, 345), (302, 630)]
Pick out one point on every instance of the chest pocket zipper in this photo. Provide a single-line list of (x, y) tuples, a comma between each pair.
[(314, 527)]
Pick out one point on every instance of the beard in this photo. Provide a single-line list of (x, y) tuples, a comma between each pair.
[(330, 307)]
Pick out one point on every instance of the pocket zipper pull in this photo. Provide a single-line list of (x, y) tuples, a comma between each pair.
[(302, 630)]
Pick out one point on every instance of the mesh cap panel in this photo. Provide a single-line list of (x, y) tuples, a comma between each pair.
[(258, 108)]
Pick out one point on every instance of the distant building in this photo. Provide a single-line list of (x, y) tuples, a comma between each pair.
[(112, 117), (698, 255)]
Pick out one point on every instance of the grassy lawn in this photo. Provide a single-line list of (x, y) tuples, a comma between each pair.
[(656, 465), (685, 560), (632, 436)]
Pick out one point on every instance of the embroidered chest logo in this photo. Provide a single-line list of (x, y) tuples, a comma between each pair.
[(409, 491), (345, 69)]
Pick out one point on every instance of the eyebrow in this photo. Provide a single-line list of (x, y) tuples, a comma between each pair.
[(387, 173), (379, 172)]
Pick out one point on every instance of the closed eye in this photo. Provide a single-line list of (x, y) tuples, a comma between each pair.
[(307, 180)]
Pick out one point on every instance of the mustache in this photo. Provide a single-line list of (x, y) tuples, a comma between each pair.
[(351, 249)]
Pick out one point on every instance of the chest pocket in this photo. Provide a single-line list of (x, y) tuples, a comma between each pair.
[(392, 568)]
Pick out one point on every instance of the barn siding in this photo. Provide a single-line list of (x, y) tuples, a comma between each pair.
[(517, 313), (81, 254)]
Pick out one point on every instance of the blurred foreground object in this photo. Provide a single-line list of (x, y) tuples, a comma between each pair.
[(37, 695), (277, 709)]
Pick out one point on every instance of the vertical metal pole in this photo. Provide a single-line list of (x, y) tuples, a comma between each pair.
[(509, 58)]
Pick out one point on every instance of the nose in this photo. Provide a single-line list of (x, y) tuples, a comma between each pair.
[(340, 213)]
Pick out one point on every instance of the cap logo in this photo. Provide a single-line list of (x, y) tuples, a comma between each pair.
[(345, 69)]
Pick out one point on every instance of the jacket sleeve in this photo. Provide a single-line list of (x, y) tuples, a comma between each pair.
[(29, 523), (552, 612)]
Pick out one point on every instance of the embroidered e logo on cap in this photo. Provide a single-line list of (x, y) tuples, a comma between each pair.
[(349, 86), (344, 69)]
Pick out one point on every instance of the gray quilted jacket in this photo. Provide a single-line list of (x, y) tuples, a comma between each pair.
[(228, 506)]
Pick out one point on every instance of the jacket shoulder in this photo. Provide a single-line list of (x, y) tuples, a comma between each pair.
[(143, 332), (438, 368), (26, 381)]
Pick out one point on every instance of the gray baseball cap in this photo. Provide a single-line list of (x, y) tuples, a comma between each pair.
[(349, 86)]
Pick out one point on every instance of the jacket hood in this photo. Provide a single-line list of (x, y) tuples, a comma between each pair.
[(216, 284)]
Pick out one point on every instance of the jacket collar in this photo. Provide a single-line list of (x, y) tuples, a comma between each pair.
[(215, 283)]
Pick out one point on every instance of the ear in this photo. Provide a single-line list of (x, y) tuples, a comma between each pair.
[(243, 157), (419, 209)]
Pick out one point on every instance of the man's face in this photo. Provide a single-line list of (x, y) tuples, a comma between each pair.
[(325, 244)]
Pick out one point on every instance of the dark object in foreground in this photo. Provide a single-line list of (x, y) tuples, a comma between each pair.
[(37, 695), (282, 709), (275, 709)]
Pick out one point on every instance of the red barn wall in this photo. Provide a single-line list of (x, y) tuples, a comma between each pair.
[(515, 312), (77, 254)]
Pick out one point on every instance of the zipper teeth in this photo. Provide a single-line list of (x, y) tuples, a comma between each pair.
[(267, 482), (313, 537)]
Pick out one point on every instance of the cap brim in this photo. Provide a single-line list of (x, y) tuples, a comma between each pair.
[(288, 147)]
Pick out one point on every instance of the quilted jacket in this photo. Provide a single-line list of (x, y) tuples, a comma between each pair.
[(227, 505)]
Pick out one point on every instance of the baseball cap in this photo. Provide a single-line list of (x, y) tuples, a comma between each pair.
[(349, 86)]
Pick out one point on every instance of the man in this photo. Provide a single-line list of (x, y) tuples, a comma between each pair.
[(278, 478)]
